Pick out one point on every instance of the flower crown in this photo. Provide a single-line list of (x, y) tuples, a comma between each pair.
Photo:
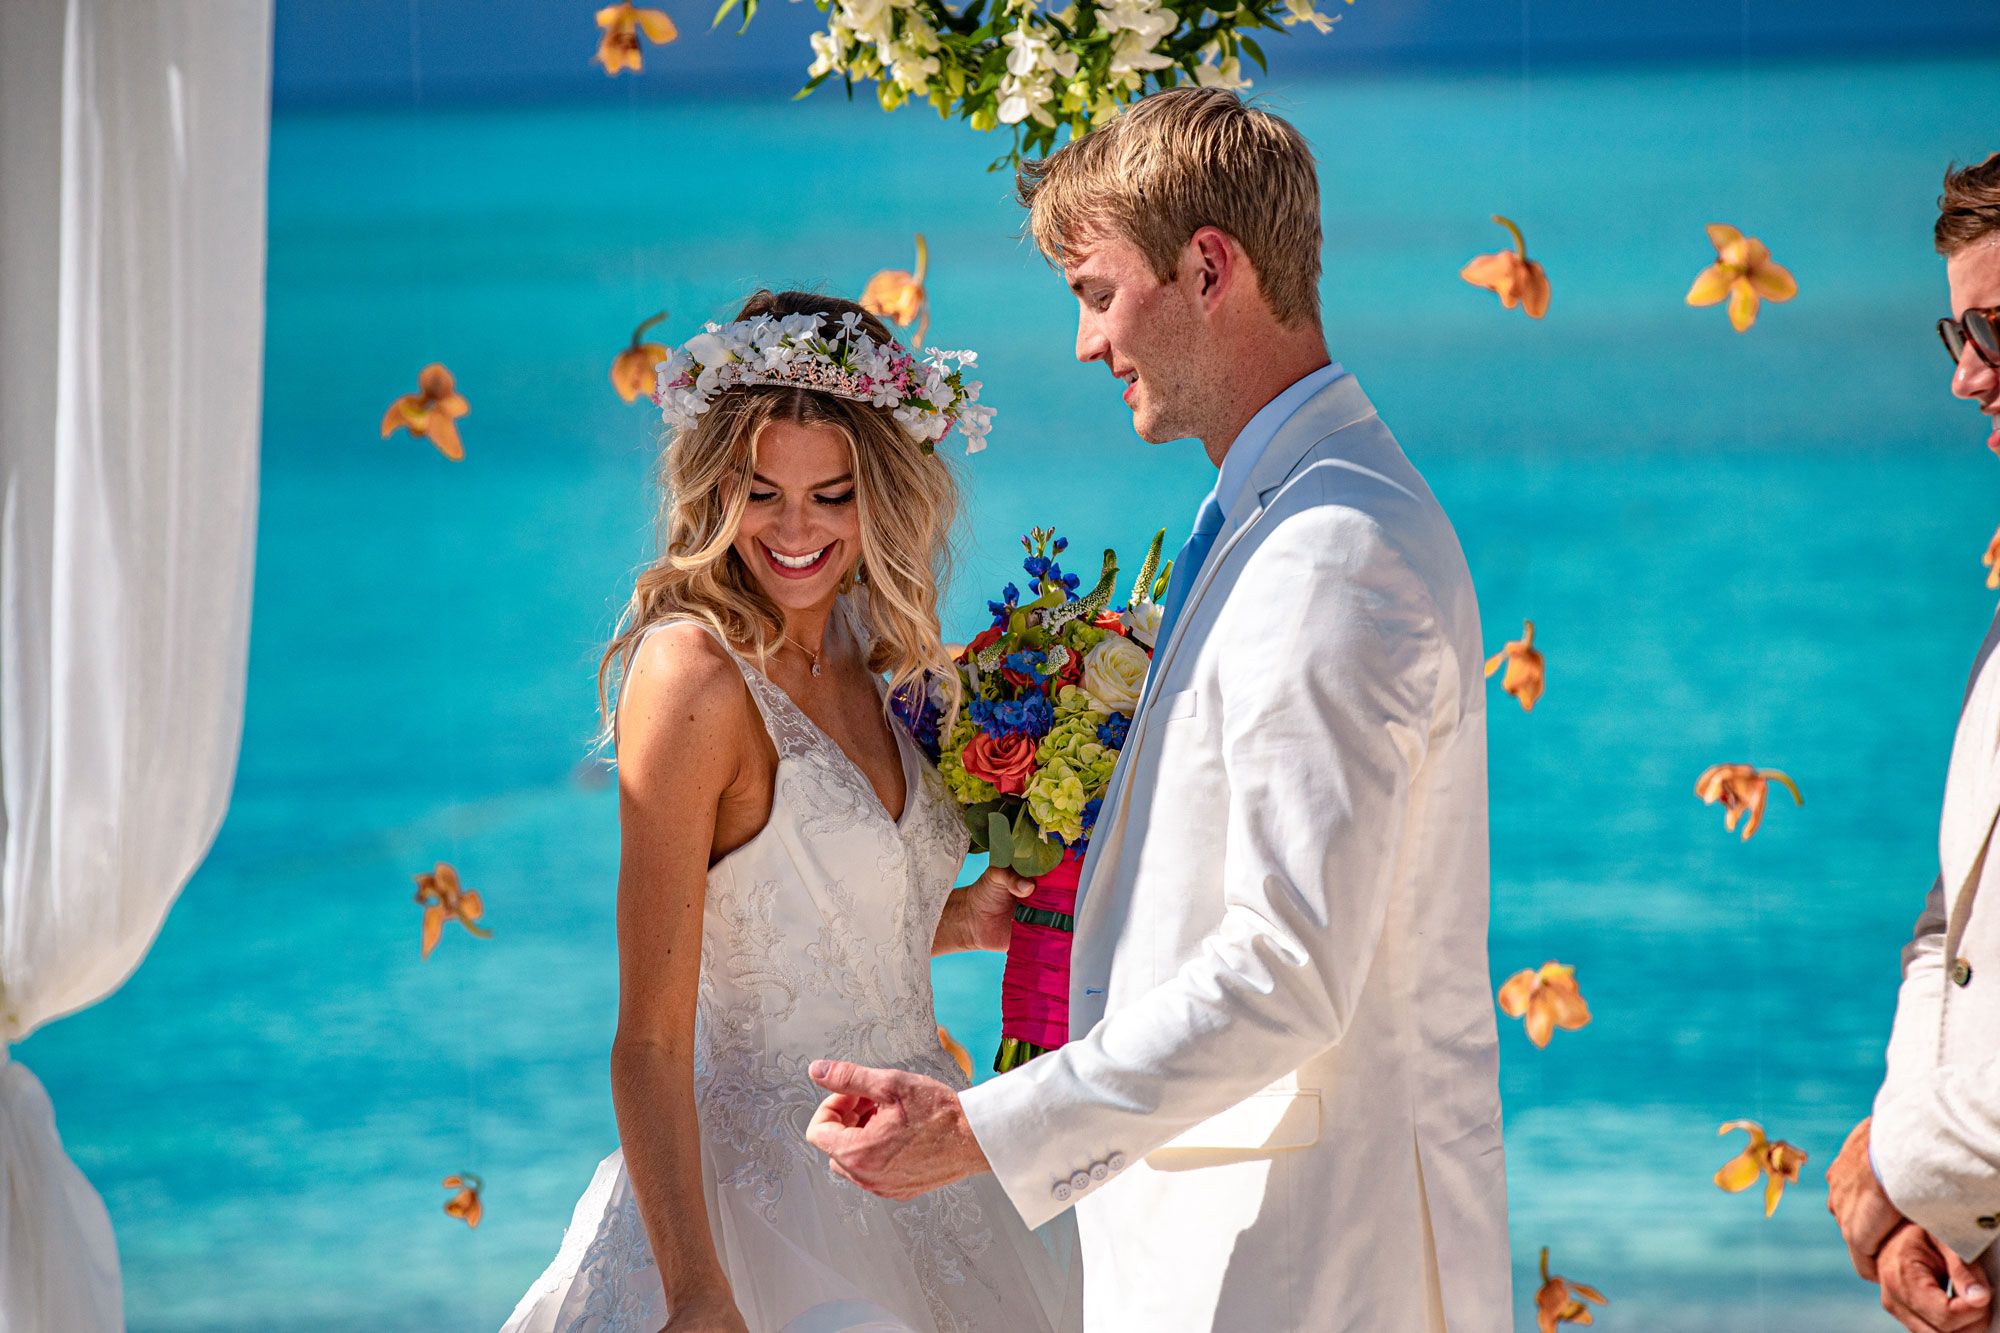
[(927, 398)]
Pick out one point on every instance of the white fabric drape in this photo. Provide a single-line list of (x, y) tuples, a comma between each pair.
[(133, 143)]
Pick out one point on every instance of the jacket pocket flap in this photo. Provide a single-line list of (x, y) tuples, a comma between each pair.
[(1263, 1120)]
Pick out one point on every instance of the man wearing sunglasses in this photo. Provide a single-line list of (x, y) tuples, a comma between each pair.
[(1916, 1189)]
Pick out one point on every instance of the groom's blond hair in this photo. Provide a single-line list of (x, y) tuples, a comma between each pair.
[(1176, 162)]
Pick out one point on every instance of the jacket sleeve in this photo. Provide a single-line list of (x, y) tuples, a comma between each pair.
[(1936, 1148), (1935, 1140), (1913, 1041), (1328, 681)]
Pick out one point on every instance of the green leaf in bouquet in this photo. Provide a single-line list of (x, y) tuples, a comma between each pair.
[(1099, 597), (1000, 839), (1034, 855), (976, 820), (1142, 587)]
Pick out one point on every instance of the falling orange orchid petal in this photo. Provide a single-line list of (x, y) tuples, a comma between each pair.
[(1525, 667), (1742, 789), (956, 1050), (900, 297), (618, 49), (1561, 1301), (465, 1204), (1777, 1161), (632, 369), (444, 900), (1547, 998), (1511, 275), (1743, 273), (431, 413)]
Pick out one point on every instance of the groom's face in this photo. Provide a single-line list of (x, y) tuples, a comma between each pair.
[(1147, 332)]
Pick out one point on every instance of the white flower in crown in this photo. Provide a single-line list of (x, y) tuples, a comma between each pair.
[(927, 400)]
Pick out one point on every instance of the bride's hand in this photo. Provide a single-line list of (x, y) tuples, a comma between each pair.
[(989, 907), (707, 1313)]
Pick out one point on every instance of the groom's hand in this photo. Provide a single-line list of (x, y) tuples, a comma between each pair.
[(1856, 1199), (892, 1133)]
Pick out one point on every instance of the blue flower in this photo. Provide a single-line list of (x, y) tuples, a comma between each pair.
[(1062, 544), (1010, 597), (1111, 735), (1070, 581), (1036, 565), (1028, 661), (1091, 809), (919, 712), (1031, 717)]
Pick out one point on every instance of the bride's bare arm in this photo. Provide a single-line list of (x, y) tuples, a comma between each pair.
[(681, 744), (980, 915)]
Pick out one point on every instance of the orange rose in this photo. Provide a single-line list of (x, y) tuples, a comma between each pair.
[(1007, 763)]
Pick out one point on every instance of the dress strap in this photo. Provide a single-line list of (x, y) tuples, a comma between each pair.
[(761, 687)]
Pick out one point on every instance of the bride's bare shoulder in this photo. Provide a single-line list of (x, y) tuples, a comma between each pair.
[(682, 692)]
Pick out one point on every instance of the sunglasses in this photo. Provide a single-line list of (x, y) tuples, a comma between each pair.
[(1981, 328)]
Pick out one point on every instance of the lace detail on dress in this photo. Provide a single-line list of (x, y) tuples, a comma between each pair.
[(618, 1272)]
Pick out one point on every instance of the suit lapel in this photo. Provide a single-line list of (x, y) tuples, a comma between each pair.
[(1972, 789), (1335, 407)]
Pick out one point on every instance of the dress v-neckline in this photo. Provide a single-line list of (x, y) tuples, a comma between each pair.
[(860, 774)]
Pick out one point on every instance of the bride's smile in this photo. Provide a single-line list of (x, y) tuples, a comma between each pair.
[(801, 531)]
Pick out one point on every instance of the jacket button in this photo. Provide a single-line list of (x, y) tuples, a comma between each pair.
[(1989, 1222), (1116, 1161), (1062, 1191), (1098, 1170), (1080, 1181), (1961, 972)]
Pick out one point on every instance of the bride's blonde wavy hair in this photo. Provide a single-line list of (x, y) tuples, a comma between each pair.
[(906, 500)]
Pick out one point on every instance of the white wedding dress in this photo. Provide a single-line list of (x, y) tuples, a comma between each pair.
[(816, 942)]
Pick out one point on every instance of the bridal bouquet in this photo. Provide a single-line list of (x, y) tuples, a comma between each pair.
[(1050, 687)]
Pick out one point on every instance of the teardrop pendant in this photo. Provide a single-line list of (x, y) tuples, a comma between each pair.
[(815, 666)]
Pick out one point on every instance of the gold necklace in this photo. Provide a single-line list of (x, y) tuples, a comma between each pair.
[(807, 651)]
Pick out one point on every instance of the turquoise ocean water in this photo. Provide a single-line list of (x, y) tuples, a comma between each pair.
[(1760, 548)]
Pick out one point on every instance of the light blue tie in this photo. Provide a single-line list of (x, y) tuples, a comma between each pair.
[(1187, 568)]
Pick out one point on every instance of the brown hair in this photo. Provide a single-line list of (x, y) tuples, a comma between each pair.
[(905, 497), (1969, 208), (1176, 162)]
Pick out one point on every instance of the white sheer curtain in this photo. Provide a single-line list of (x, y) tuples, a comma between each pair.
[(133, 138)]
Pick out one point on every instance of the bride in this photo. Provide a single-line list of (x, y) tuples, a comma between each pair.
[(787, 859)]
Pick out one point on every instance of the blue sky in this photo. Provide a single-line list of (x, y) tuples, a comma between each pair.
[(390, 52)]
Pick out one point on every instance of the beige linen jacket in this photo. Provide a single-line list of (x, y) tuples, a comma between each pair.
[(1936, 1134), (1281, 1108)]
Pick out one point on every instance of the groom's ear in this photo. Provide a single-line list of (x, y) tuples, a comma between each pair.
[(1214, 262)]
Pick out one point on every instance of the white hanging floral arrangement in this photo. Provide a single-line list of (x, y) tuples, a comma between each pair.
[(995, 63)]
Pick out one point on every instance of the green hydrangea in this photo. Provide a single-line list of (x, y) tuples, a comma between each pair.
[(964, 787), (1073, 701), (1056, 799), (1081, 637), (1074, 744)]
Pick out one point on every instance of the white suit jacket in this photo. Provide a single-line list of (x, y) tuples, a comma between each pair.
[(1936, 1135), (1281, 1108)]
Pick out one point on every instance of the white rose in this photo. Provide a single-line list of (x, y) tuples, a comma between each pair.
[(1113, 674), (1142, 622)]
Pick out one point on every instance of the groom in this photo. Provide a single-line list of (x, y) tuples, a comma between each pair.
[(1280, 1108)]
